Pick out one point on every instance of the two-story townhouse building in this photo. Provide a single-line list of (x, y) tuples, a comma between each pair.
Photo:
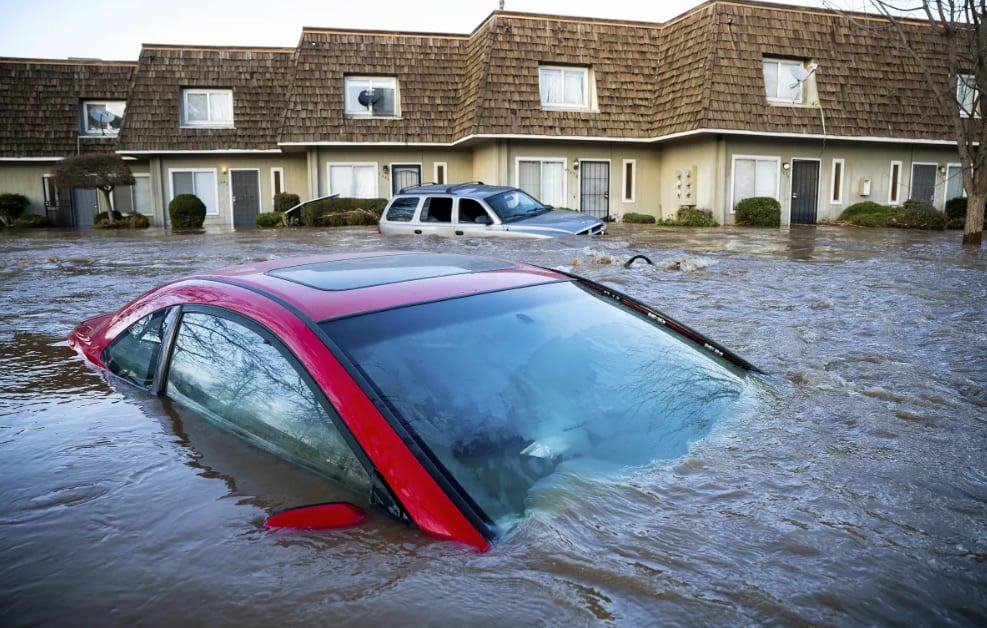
[(732, 99)]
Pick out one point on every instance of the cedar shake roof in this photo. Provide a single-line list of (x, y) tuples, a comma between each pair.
[(429, 69), (41, 104), (259, 78)]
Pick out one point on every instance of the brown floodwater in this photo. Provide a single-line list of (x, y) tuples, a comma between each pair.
[(855, 494)]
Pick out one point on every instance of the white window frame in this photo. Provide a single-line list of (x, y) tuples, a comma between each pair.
[(784, 77), (209, 122), (950, 169), (733, 176), (444, 168), (357, 110), (836, 187), (365, 164), (150, 197), (967, 98), (117, 106), (210, 211), (632, 165), (542, 161), (586, 79), (276, 171), (894, 183)]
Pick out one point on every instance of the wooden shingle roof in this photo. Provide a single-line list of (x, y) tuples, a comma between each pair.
[(41, 101), (429, 69), (258, 77)]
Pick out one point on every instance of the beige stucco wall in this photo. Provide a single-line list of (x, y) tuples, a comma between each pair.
[(25, 177)]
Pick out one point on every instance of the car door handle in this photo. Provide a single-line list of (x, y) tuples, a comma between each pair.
[(418, 231), (459, 233)]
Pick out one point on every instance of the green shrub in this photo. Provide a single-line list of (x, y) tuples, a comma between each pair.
[(187, 211), (956, 208), (641, 219), (339, 212), (285, 200), (12, 206), (102, 220), (267, 220), (692, 217), (31, 221), (758, 211), (868, 214), (920, 215), (137, 220)]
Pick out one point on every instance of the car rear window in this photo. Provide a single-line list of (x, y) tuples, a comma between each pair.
[(402, 209)]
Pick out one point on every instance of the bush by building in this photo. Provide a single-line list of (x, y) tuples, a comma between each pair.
[(339, 212), (187, 211), (641, 219), (285, 200), (758, 211), (11, 208), (268, 220), (31, 221)]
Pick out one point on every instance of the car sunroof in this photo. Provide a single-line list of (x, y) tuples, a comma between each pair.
[(365, 272)]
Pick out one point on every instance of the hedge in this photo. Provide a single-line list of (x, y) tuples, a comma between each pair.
[(758, 211), (187, 211)]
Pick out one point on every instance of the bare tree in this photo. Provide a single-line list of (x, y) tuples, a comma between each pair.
[(959, 28), (94, 171)]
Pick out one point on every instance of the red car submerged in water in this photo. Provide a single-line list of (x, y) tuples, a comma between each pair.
[(443, 388)]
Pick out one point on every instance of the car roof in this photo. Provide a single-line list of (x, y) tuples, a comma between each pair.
[(323, 287), (472, 189)]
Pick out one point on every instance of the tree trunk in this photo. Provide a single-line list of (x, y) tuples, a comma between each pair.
[(109, 202), (973, 230)]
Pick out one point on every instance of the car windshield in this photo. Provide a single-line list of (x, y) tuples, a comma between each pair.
[(514, 205), (556, 377)]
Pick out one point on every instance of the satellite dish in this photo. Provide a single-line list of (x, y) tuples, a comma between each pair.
[(799, 73), (101, 115), (368, 97)]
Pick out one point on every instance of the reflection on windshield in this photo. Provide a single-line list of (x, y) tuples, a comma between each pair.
[(506, 388), (514, 205)]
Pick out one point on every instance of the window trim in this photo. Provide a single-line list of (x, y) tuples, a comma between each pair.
[(628, 181), (276, 170), (733, 176), (85, 131), (837, 184), (894, 183), (541, 161), (443, 167), (778, 61), (171, 185), (393, 80), (208, 91), (968, 81), (589, 95), (950, 166), (375, 165)]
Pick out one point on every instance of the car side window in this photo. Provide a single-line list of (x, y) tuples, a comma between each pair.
[(239, 379), (402, 209), (134, 354), (437, 209), (470, 210)]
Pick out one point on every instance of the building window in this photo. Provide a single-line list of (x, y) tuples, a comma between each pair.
[(954, 181), (134, 198), (544, 179), (836, 183), (565, 87), (353, 180), (207, 107), (371, 96), (102, 118), (630, 180), (201, 182), (967, 95), (277, 182), (894, 193), (784, 79), (754, 176), (440, 173)]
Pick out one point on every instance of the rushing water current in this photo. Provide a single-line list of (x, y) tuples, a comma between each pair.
[(855, 495)]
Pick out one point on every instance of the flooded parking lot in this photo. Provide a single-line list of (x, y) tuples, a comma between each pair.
[(857, 494)]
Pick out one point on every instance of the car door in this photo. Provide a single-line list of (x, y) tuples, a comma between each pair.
[(468, 211), (435, 217)]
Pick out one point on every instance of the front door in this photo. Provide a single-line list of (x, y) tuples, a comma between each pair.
[(245, 188), (85, 206), (924, 182), (594, 188), (805, 191), (405, 176)]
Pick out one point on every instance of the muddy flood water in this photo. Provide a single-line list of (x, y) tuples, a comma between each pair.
[(856, 494)]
